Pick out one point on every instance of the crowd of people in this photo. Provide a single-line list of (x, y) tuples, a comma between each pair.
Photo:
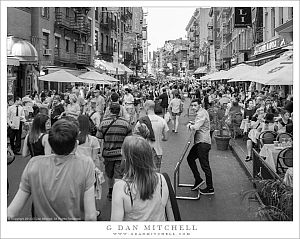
[(71, 134)]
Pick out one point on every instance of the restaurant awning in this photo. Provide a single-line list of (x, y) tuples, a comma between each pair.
[(201, 70), (22, 50), (94, 77), (125, 68), (276, 72), (75, 72)]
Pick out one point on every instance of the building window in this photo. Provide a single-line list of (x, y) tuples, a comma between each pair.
[(107, 43), (67, 12), (57, 45), (102, 42), (67, 45), (97, 40), (45, 40), (272, 21), (45, 12), (290, 13), (96, 14), (75, 47), (280, 16)]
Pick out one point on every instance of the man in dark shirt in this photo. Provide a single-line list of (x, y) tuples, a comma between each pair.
[(164, 101)]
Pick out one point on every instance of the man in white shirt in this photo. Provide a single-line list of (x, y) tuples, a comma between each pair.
[(15, 117), (100, 103)]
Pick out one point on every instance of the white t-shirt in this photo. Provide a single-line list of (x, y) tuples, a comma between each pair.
[(128, 99), (159, 126), (86, 149), (175, 105)]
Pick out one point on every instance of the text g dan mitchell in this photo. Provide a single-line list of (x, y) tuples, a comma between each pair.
[(159, 227)]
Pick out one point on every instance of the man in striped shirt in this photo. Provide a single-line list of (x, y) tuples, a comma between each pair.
[(112, 132)]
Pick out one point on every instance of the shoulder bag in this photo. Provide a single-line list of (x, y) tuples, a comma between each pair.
[(173, 199)]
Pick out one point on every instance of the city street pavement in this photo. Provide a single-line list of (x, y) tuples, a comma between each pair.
[(230, 182)]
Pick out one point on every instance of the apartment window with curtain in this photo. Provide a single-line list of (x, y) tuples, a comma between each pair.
[(273, 21), (280, 16)]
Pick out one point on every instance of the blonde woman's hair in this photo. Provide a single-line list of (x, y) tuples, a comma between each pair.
[(139, 166)]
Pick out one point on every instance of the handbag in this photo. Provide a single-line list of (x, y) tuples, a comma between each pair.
[(173, 199)]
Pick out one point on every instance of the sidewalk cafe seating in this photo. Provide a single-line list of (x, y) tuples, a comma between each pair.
[(266, 137), (284, 160), (282, 136)]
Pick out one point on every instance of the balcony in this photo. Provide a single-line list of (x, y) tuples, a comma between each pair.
[(80, 25), (68, 57), (61, 20)]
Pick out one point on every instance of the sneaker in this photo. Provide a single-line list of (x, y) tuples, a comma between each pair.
[(197, 185), (207, 191), (248, 159)]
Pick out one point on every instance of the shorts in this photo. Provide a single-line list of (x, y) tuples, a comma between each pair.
[(157, 160), (113, 169), (174, 114)]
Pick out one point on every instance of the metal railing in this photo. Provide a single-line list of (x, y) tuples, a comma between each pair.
[(177, 183)]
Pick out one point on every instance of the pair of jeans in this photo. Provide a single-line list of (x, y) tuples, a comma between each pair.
[(15, 139), (200, 151)]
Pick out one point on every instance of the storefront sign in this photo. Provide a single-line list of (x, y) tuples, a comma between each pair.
[(145, 50), (242, 17), (269, 45)]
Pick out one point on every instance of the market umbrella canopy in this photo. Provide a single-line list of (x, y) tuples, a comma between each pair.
[(219, 75), (94, 77), (60, 76), (110, 78), (275, 72), (239, 70)]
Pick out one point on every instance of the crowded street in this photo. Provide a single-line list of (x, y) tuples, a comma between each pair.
[(113, 116)]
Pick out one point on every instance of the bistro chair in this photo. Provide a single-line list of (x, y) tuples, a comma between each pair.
[(266, 137), (284, 160), (281, 136)]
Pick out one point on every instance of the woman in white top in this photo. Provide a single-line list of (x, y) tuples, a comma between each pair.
[(175, 109), (142, 194), (88, 145)]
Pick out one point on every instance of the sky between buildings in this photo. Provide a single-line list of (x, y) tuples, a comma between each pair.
[(166, 23)]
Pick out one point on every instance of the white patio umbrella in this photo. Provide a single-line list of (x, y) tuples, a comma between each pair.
[(94, 77), (219, 75), (239, 70), (60, 76), (275, 72), (110, 78)]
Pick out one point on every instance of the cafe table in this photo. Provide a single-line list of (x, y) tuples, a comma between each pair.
[(270, 153)]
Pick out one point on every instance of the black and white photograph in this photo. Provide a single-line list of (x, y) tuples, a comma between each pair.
[(149, 119)]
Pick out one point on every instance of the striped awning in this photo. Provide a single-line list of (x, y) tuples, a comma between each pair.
[(22, 50)]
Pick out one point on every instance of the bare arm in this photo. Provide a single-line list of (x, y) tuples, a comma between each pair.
[(17, 204), (47, 147), (89, 205), (25, 151), (117, 208)]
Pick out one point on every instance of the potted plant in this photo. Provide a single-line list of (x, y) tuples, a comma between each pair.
[(221, 133), (275, 197)]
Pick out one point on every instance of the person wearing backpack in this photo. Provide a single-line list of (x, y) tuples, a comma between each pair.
[(94, 118)]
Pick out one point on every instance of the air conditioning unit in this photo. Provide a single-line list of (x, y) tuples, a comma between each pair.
[(47, 52)]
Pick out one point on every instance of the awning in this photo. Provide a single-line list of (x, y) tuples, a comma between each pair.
[(260, 59), (201, 70), (75, 72), (22, 50), (94, 77), (125, 68), (13, 61), (275, 72)]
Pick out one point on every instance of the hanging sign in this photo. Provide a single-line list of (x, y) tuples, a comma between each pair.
[(242, 17)]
